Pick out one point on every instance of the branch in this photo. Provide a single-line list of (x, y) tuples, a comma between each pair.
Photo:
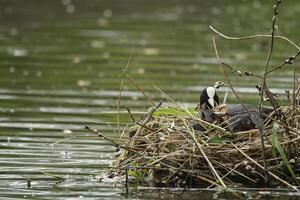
[(253, 37)]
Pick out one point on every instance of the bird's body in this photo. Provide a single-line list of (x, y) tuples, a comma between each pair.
[(234, 117)]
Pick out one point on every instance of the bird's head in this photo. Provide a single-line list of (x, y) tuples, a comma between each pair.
[(219, 84)]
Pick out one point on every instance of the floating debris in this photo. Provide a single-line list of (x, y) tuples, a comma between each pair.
[(17, 52), (97, 44), (151, 51), (83, 83), (76, 60), (107, 13), (67, 131), (12, 69)]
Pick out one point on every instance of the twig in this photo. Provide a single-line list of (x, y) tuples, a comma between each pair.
[(137, 123), (150, 113), (264, 85), (126, 178), (56, 177), (135, 149), (274, 19), (294, 86), (254, 36), (135, 83), (225, 74), (121, 89), (290, 60), (167, 96), (238, 72), (130, 114), (59, 141)]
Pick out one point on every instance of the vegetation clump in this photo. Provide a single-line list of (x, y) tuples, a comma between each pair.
[(164, 149)]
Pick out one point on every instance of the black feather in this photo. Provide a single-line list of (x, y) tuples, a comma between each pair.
[(204, 99), (216, 98)]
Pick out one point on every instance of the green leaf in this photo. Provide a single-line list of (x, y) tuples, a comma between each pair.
[(174, 112), (273, 138), (215, 140), (276, 145), (138, 174)]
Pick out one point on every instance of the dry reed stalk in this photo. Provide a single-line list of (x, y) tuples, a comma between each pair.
[(139, 87), (192, 134), (121, 89)]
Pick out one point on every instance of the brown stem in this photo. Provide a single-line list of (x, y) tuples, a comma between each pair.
[(264, 84)]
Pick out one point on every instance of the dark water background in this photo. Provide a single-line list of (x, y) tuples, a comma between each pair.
[(60, 67)]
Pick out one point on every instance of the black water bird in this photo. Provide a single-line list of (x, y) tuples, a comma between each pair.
[(234, 117)]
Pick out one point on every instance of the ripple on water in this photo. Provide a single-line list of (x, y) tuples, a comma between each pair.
[(60, 65)]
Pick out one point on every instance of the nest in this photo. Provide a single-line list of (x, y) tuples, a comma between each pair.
[(164, 150)]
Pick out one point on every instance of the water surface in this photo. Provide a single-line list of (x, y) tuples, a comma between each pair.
[(60, 70)]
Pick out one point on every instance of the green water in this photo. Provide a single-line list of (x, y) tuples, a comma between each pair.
[(60, 67)]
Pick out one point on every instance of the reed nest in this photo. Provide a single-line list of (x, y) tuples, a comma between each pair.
[(165, 150)]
